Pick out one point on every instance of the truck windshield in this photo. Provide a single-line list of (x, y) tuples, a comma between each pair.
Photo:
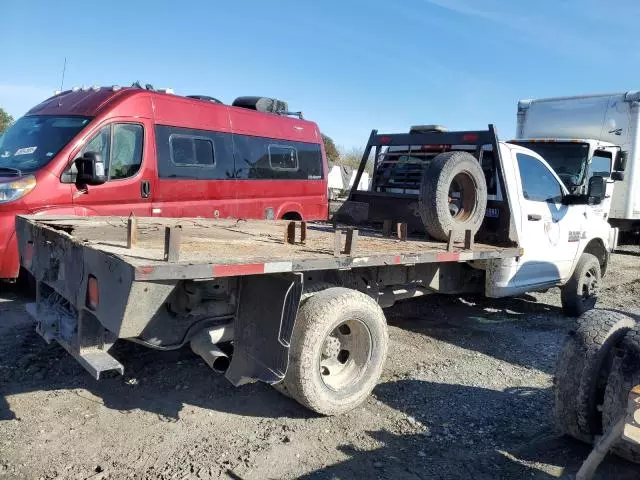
[(568, 160), (32, 141)]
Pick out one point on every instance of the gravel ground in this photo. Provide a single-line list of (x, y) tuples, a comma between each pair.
[(466, 393)]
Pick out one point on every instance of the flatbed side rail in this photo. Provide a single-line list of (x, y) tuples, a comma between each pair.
[(211, 270)]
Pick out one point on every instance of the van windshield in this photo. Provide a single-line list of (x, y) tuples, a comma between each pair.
[(32, 141), (568, 160)]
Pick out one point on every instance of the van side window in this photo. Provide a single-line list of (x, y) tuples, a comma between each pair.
[(126, 151), (187, 153), (282, 157), (270, 159), (538, 183), (600, 165), (191, 150), (121, 148), (183, 152)]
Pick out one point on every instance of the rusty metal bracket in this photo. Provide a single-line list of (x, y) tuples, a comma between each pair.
[(132, 231), (402, 231), (351, 239), (172, 237), (290, 233), (387, 226), (450, 242), (468, 240)]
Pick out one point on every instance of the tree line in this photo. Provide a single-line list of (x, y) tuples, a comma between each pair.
[(5, 120), (346, 158)]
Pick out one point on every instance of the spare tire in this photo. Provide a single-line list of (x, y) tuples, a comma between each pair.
[(625, 374), (453, 196), (582, 371)]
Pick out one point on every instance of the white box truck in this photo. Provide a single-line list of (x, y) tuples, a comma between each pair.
[(589, 135)]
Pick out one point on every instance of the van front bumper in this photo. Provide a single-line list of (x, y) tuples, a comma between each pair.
[(9, 258)]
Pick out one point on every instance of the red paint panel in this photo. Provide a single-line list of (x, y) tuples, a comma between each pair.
[(397, 259), (238, 270), (448, 257)]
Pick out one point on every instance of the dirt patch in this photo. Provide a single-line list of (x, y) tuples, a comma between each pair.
[(466, 393)]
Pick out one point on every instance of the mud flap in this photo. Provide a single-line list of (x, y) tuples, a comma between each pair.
[(264, 324)]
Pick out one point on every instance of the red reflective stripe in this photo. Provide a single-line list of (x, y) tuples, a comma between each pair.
[(448, 257), (397, 259), (144, 271), (234, 270)]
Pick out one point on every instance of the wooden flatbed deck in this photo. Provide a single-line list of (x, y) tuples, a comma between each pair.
[(219, 248)]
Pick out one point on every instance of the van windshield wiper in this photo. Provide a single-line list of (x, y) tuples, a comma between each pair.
[(14, 171)]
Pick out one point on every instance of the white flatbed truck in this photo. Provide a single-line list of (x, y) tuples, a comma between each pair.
[(298, 305)]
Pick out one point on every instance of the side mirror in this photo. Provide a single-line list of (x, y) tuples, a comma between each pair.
[(620, 161), (90, 169), (617, 176), (597, 189)]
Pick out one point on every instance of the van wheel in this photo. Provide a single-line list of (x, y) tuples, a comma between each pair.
[(625, 375), (580, 293), (338, 348), (453, 195), (582, 370)]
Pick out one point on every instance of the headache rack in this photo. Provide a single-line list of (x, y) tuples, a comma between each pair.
[(399, 161)]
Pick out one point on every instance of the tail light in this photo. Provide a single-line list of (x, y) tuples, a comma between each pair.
[(93, 293)]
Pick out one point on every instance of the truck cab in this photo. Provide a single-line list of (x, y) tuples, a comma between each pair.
[(559, 229), (576, 161)]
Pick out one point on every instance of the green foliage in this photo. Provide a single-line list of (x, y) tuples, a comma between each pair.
[(5, 120), (333, 156)]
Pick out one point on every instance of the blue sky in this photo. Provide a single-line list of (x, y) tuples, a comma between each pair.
[(349, 65)]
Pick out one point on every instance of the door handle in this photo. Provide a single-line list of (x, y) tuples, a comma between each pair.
[(534, 217), (145, 189)]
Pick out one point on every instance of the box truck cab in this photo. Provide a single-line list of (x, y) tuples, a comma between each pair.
[(583, 136), (122, 151)]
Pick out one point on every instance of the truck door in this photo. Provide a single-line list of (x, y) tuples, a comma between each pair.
[(550, 230), (129, 179)]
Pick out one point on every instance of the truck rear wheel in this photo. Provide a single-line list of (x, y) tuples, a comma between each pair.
[(625, 374), (338, 348), (582, 371), (453, 195), (580, 293)]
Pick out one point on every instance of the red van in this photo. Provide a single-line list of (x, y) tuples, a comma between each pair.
[(158, 154)]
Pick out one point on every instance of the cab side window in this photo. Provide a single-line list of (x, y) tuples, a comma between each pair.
[(120, 145), (538, 184)]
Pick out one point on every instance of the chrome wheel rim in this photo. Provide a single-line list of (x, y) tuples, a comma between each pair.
[(345, 354)]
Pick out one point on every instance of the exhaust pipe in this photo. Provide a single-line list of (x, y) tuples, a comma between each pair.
[(205, 344)]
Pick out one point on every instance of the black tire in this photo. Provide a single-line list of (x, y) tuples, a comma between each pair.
[(582, 371), (447, 171), (318, 318), (306, 294), (625, 374), (580, 293)]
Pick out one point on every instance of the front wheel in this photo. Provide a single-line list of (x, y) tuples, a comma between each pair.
[(580, 293), (338, 348)]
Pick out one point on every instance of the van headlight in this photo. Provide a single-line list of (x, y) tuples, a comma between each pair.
[(16, 189)]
